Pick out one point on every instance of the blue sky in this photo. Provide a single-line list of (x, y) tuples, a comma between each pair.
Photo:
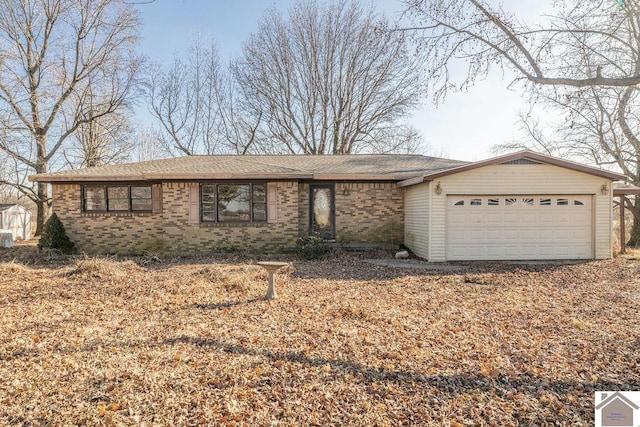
[(464, 127)]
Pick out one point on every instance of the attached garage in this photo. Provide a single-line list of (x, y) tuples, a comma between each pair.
[(523, 206)]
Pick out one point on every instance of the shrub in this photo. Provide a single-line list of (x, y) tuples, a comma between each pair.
[(311, 247), (54, 236)]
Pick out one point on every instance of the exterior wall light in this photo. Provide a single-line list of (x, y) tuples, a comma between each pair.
[(438, 188), (604, 189)]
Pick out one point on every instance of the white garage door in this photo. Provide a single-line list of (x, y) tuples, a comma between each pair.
[(519, 227)]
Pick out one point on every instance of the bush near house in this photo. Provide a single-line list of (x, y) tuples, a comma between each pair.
[(54, 236), (312, 246)]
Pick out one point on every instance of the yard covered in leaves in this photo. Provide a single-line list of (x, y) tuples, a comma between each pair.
[(191, 342)]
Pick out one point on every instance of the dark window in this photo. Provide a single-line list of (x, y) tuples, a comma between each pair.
[(510, 201), (259, 203), (94, 199), (233, 202), (493, 202), (545, 202), (141, 199), (476, 202), (116, 198), (459, 203), (578, 203), (563, 202), (528, 201)]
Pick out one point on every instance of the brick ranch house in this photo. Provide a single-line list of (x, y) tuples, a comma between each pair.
[(519, 206)]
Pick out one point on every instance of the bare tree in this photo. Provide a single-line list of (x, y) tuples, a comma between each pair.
[(184, 99), (197, 104), (323, 81), (53, 53), (102, 141), (147, 146), (472, 33)]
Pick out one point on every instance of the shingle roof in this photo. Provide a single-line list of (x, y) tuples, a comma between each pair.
[(356, 167)]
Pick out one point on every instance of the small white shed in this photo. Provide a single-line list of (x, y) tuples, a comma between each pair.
[(16, 218)]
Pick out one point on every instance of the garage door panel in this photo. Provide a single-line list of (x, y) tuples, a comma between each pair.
[(519, 227)]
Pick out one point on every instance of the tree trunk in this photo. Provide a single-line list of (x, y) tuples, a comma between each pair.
[(634, 238), (42, 193), (40, 204)]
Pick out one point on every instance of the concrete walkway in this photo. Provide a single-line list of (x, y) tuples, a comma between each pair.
[(412, 263)]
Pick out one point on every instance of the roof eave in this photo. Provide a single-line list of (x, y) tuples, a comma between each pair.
[(167, 177), (356, 177), (67, 178)]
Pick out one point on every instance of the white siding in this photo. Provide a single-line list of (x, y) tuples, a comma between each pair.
[(416, 219), (521, 179)]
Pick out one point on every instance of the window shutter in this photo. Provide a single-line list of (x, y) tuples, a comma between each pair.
[(156, 198), (194, 204), (272, 202)]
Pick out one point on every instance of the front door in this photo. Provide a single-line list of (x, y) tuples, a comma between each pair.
[(321, 211)]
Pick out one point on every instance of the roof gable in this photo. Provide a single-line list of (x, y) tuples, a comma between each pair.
[(525, 157), (5, 206)]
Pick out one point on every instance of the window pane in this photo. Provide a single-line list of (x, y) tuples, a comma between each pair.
[(476, 202), (141, 204), (118, 204), (118, 198), (259, 212), (94, 199), (118, 192), (141, 199), (140, 192), (563, 202), (259, 193), (545, 202), (233, 202), (494, 202), (208, 202)]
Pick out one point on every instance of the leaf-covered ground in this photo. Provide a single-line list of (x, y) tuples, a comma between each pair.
[(105, 341)]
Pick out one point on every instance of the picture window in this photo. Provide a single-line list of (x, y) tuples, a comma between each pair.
[(233, 202)]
